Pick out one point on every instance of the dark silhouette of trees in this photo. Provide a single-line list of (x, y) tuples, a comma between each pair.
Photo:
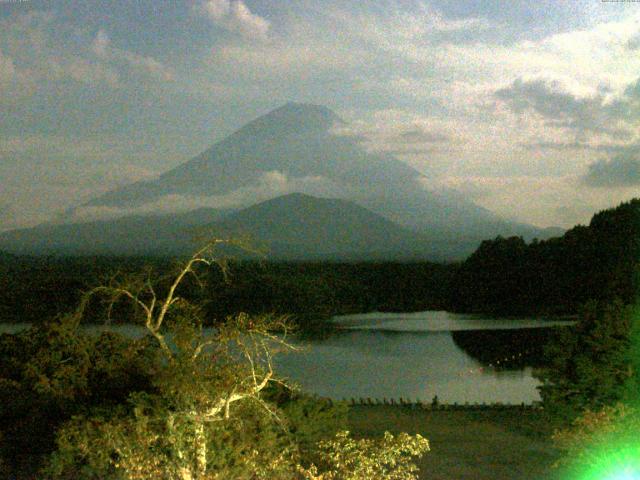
[(589, 365), (595, 262)]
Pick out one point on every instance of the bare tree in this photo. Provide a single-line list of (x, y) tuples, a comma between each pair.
[(230, 364)]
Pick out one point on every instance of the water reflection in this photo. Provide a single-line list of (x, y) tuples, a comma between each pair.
[(433, 321), (412, 356), (412, 365)]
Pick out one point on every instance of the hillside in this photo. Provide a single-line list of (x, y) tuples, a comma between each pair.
[(166, 234), (598, 261), (302, 226), (293, 226)]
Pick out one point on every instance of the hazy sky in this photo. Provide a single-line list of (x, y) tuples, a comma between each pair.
[(530, 108)]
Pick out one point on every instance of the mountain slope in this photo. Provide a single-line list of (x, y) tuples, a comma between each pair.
[(302, 226), (595, 262), (294, 226), (131, 235), (294, 148)]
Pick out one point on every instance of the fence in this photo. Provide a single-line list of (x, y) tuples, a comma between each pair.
[(436, 405)]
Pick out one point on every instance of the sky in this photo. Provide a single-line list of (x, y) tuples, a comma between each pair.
[(529, 108)]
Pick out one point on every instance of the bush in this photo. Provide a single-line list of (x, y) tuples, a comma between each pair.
[(212, 409)]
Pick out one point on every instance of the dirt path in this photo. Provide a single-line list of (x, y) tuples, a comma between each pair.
[(467, 445)]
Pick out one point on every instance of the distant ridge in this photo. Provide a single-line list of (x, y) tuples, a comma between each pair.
[(298, 141), (132, 235), (293, 148), (301, 226), (293, 227)]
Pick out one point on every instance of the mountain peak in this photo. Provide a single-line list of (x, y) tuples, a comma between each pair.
[(294, 118), (304, 110)]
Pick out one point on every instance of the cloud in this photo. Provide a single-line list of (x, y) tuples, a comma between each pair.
[(580, 61), (85, 71), (562, 109), (418, 135), (148, 65), (235, 16), (271, 184), (33, 55), (622, 170), (634, 43), (104, 50), (8, 216), (538, 200), (7, 68), (415, 141), (217, 9), (564, 146), (101, 44), (397, 132)]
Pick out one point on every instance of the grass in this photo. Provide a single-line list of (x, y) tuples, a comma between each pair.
[(468, 445)]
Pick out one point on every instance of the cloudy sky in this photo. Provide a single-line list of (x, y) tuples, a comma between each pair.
[(530, 108)]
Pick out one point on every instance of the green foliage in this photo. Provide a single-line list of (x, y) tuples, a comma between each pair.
[(601, 444), (588, 365), (389, 458), (207, 406), (311, 420), (169, 434), (313, 292), (34, 289), (53, 371)]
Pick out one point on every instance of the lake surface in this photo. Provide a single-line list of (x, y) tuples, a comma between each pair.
[(389, 355), (392, 355)]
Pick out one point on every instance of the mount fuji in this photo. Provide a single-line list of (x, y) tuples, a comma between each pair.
[(293, 149)]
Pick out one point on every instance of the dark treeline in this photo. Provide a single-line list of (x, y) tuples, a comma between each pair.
[(37, 288), (33, 289), (313, 292), (506, 276), (511, 349)]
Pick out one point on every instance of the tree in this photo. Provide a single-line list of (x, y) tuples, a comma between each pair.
[(601, 444), (588, 365), (344, 458), (53, 371), (211, 414)]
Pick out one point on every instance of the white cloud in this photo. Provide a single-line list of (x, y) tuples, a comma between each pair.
[(36, 57), (248, 23), (235, 16), (583, 61), (149, 65), (217, 9), (539, 200), (620, 171), (271, 184), (92, 73), (104, 50), (561, 109)]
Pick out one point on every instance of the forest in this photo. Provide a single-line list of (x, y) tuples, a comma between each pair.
[(142, 402), (504, 276), (507, 276), (34, 288)]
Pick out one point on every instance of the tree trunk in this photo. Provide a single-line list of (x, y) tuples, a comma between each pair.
[(201, 450), (185, 474)]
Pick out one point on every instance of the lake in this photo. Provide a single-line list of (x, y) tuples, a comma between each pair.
[(409, 355)]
